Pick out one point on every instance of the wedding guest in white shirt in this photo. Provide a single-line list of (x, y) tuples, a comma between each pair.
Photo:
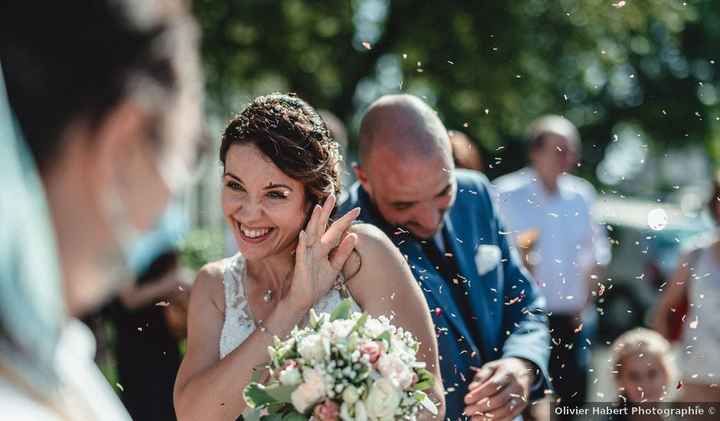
[(571, 249)]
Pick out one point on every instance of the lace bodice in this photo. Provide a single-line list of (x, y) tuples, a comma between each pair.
[(238, 324)]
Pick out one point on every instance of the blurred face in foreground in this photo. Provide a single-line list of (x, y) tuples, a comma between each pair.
[(410, 191), (264, 207), (644, 377)]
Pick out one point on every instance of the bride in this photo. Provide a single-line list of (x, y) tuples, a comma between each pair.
[(279, 184)]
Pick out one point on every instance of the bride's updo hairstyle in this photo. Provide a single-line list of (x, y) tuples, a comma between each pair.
[(294, 137)]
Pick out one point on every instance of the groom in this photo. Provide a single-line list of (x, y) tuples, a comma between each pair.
[(492, 335)]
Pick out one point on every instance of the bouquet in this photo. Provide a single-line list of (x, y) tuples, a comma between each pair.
[(342, 366)]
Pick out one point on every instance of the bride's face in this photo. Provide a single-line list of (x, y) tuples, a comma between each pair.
[(263, 206)]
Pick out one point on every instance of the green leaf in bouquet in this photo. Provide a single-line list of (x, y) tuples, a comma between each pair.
[(283, 354), (360, 323), (277, 407), (257, 373), (256, 396), (385, 336), (425, 379), (281, 393), (314, 319), (342, 311), (252, 414), (352, 342), (294, 416), (426, 403)]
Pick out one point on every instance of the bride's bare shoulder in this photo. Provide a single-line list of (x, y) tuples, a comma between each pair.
[(373, 246), (208, 284)]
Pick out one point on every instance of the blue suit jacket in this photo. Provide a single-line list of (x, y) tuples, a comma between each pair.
[(508, 318)]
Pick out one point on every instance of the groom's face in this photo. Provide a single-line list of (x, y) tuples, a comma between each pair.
[(409, 191)]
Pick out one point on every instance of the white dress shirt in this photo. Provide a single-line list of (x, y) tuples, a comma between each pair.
[(570, 243), (84, 394)]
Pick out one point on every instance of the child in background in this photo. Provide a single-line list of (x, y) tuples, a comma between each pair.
[(643, 367)]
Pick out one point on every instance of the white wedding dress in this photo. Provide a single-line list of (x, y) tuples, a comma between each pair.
[(238, 324)]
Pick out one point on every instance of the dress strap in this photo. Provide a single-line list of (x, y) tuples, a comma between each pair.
[(232, 280)]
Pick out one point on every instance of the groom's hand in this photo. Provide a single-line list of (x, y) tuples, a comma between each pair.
[(500, 389)]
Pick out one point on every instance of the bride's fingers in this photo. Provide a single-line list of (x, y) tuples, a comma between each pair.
[(336, 231), (301, 250), (311, 228), (327, 209), (343, 251)]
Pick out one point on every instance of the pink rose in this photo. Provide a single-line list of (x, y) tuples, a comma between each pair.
[(290, 364), (372, 349), (327, 411)]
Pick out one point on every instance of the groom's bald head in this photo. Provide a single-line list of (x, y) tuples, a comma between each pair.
[(406, 163), (403, 124)]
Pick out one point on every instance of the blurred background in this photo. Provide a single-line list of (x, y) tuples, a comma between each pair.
[(639, 78)]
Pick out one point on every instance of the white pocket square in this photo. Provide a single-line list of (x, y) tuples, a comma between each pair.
[(487, 257)]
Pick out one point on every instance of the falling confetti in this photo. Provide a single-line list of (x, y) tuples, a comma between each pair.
[(366, 45), (657, 219), (693, 324)]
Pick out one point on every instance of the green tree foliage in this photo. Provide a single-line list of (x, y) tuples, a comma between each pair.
[(489, 67)]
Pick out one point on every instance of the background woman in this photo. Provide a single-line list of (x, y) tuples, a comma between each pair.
[(697, 277)]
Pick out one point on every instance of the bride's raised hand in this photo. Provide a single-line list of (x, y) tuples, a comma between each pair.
[(321, 254)]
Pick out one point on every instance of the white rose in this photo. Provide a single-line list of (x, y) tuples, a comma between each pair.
[(374, 328), (290, 376), (345, 412), (394, 369), (313, 348), (337, 329), (351, 394), (310, 392), (382, 401), (360, 411)]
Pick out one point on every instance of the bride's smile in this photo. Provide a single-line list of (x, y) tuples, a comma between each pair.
[(254, 235), (265, 207)]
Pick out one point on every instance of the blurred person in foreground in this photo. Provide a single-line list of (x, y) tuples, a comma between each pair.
[(280, 179), (106, 99), (570, 251), (697, 277), (492, 335), (148, 324)]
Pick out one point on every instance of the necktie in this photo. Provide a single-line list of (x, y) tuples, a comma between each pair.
[(448, 269), (444, 263)]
